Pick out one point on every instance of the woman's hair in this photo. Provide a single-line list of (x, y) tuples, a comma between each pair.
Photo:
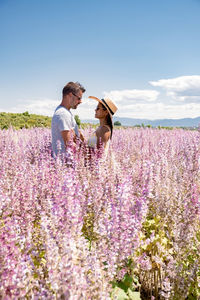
[(109, 121)]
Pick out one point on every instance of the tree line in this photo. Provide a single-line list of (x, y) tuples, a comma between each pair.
[(26, 120)]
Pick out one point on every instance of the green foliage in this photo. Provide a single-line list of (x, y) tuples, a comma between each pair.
[(156, 245), (88, 125), (117, 123), (23, 120), (119, 294), (77, 119), (125, 283), (126, 288), (166, 127), (26, 113), (88, 226)]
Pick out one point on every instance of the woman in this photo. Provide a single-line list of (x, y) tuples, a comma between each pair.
[(103, 134)]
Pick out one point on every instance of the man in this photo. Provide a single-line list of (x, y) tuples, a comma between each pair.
[(63, 124)]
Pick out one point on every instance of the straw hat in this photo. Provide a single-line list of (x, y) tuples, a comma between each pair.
[(108, 103)]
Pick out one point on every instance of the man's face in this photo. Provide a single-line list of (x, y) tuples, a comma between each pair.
[(76, 99)]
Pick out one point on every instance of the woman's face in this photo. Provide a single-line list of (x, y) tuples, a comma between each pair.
[(100, 112)]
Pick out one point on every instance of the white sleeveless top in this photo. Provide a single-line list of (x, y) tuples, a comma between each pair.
[(92, 142)]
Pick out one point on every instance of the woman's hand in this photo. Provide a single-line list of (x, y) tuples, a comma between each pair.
[(82, 137)]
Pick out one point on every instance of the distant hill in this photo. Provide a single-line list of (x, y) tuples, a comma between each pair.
[(186, 122)]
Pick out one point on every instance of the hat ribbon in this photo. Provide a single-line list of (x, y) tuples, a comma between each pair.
[(104, 102)]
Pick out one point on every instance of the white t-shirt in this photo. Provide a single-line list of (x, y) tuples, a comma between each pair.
[(62, 120)]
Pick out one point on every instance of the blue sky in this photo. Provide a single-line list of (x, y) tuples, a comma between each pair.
[(143, 54)]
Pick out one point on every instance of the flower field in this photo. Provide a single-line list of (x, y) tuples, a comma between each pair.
[(129, 224)]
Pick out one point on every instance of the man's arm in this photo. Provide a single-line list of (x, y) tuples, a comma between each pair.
[(67, 137)]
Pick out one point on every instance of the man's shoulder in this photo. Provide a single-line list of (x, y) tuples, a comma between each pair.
[(61, 111)]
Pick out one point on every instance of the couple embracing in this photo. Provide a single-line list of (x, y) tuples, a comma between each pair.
[(64, 129)]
